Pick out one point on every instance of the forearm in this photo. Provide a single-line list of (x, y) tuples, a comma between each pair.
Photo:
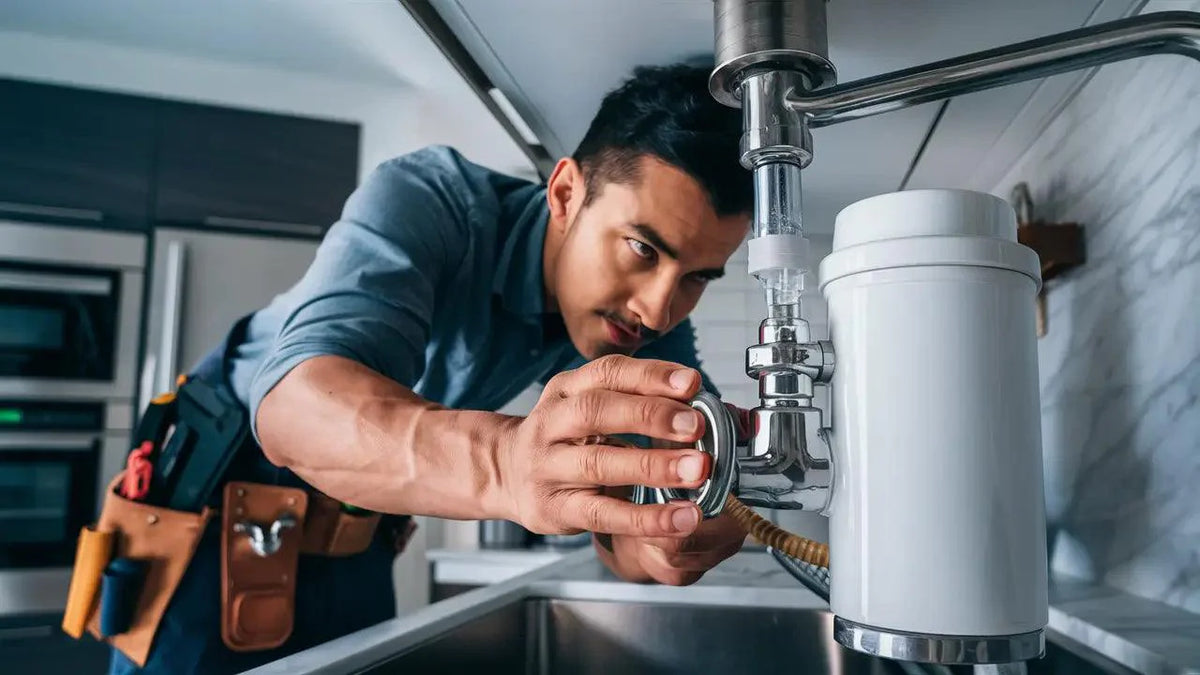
[(364, 439)]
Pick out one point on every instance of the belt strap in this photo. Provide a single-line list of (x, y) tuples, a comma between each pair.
[(329, 530)]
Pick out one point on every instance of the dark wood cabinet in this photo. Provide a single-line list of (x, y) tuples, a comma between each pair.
[(89, 157), (75, 155), (248, 170)]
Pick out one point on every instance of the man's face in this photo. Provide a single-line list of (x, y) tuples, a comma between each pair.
[(633, 263)]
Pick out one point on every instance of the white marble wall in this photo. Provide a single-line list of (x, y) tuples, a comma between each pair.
[(1120, 367)]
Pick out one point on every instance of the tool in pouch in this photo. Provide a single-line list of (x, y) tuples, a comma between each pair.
[(129, 564), (156, 511), (97, 573)]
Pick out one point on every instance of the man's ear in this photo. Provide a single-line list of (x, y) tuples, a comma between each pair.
[(565, 192)]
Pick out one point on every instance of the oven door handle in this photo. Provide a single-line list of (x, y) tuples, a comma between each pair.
[(48, 282), (172, 317), (42, 440)]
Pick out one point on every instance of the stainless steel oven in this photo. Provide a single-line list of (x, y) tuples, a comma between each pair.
[(70, 311), (58, 322), (56, 457), (49, 474), (70, 317)]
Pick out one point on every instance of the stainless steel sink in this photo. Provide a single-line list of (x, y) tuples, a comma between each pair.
[(537, 636)]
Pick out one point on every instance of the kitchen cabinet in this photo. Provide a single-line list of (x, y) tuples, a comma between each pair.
[(72, 155), (201, 282), (247, 170)]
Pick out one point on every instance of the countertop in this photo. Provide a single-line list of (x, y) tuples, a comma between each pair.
[(1144, 635), (481, 566)]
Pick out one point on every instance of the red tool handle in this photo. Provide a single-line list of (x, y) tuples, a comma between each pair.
[(138, 470)]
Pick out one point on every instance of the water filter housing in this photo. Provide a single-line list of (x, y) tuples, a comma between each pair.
[(937, 517)]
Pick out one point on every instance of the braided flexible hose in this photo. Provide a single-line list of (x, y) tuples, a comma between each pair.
[(769, 534)]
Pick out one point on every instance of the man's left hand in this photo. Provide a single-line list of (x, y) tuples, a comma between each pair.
[(672, 561)]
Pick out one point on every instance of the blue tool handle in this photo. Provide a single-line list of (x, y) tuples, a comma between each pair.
[(119, 591)]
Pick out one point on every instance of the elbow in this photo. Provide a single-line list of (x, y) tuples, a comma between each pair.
[(271, 428), (274, 456)]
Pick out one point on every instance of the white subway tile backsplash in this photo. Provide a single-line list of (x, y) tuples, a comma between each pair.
[(725, 367), (721, 305), (723, 336)]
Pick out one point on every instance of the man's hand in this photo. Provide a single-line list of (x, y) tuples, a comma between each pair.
[(677, 562), (673, 561), (553, 484)]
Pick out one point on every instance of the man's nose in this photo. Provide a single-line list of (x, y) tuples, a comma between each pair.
[(652, 304)]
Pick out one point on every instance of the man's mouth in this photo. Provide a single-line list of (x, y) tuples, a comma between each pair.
[(621, 334)]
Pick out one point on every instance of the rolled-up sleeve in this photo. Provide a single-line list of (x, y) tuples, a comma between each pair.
[(369, 294)]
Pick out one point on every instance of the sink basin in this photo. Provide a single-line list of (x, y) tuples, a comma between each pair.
[(537, 636)]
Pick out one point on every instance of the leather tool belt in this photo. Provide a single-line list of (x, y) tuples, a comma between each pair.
[(129, 564)]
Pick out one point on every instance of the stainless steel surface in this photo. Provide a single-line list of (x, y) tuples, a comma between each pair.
[(772, 130), (1158, 33), (719, 442), (751, 35), (943, 649), (44, 440), (167, 359), (502, 534), (39, 590), (225, 276), (787, 463), (547, 635), (814, 359), (265, 540), (30, 591), (87, 248), (41, 281), (72, 245), (746, 584), (91, 215), (249, 224), (550, 635), (790, 466)]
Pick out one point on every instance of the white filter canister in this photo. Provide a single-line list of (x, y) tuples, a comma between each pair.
[(937, 518)]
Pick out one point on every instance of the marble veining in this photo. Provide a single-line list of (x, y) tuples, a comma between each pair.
[(1120, 367)]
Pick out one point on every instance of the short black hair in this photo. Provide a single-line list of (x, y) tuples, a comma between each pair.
[(667, 112)]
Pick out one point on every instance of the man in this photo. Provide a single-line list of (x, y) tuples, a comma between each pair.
[(446, 289)]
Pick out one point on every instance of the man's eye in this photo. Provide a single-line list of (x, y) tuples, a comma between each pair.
[(641, 249)]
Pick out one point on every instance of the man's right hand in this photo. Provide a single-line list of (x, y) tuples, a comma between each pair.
[(553, 483)]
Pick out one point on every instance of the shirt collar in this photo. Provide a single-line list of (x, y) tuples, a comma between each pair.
[(519, 281)]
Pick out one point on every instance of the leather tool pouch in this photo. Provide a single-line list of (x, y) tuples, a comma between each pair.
[(330, 531), (165, 540), (261, 531)]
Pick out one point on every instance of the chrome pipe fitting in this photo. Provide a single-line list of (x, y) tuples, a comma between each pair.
[(757, 35)]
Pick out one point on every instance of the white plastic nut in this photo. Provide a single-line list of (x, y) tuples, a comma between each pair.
[(777, 251)]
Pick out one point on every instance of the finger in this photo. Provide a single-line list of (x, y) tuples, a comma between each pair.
[(701, 561), (598, 411), (606, 515), (615, 372), (613, 466), (711, 534)]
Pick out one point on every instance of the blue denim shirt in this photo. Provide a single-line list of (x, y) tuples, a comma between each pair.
[(432, 277)]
